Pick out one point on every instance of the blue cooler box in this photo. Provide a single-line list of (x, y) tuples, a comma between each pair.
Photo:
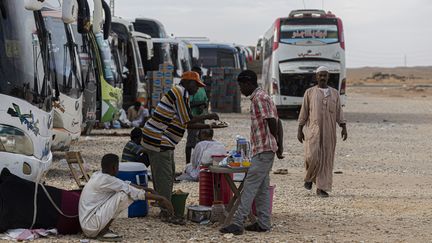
[(137, 174)]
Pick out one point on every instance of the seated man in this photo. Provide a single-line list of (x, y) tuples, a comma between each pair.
[(137, 114), (202, 153), (105, 196), (133, 151)]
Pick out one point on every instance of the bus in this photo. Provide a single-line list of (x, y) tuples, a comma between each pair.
[(101, 68), (152, 27), (173, 51), (66, 66), (258, 49), (27, 89), (129, 42), (218, 55), (294, 47)]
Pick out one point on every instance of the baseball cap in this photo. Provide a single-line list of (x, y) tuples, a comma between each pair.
[(191, 75)]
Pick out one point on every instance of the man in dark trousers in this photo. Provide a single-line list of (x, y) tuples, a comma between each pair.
[(165, 129)]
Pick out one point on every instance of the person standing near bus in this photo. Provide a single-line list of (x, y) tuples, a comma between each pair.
[(320, 112)]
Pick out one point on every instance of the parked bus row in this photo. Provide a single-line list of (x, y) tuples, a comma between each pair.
[(62, 70)]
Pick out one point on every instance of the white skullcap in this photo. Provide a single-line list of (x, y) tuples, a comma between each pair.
[(321, 69)]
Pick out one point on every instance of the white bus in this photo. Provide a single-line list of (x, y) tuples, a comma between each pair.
[(294, 47), (66, 66), (27, 82)]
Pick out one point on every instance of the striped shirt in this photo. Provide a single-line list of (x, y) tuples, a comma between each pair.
[(132, 152), (165, 129), (262, 107)]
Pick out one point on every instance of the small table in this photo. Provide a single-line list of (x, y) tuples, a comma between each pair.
[(235, 200)]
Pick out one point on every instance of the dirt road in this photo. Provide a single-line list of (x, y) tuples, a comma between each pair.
[(383, 194)]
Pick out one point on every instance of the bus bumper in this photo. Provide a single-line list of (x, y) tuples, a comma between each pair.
[(26, 167)]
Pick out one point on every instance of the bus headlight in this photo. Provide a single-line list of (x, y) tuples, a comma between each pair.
[(14, 140)]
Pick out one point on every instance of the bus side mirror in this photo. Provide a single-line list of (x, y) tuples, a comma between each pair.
[(69, 11), (33, 5)]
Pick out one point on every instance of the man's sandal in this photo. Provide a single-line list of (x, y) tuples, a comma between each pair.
[(281, 171), (110, 236)]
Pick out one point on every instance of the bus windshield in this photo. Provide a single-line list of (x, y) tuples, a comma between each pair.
[(216, 57), (162, 54), (21, 63), (64, 63), (185, 57), (308, 31)]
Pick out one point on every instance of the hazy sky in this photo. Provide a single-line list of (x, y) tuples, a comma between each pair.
[(377, 32)]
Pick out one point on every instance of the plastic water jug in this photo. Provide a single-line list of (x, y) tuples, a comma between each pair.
[(243, 147)]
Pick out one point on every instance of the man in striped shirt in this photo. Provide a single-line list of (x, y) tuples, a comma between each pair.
[(266, 141), (164, 130), (133, 150)]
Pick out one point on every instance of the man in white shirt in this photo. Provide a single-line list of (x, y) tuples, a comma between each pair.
[(105, 196), (202, 154)]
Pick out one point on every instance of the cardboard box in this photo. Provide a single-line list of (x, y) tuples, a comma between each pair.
[(157, 83), (156, 75), (167, 82), (168, 75), (157, 91), (166, 67)]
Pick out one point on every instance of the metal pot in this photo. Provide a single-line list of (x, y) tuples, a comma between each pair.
[(198, 213)]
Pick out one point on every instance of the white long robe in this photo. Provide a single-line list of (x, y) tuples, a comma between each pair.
[(319, 115), (102, 199)]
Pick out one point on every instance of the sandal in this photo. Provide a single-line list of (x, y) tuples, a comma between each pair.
[(281, 171), (110, 236)]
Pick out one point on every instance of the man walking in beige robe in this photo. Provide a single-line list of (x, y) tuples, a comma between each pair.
[(320, 112)]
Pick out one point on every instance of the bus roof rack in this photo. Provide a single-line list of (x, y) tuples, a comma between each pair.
[(307, 13)]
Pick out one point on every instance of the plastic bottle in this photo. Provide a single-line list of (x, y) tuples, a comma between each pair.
[(238, 159)]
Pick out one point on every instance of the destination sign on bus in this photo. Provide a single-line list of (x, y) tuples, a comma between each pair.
[(293, 33)]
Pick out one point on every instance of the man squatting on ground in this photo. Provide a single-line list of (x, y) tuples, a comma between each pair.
[(266, 140), (105, 196)]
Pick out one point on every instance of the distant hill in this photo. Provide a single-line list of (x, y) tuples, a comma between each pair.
[(396, 74), (377, 74)]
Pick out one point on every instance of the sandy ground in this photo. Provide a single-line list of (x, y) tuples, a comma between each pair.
[(382, 195)]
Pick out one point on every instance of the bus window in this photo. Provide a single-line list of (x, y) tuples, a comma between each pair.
[(68, 79), (226, 59), (208, 57)]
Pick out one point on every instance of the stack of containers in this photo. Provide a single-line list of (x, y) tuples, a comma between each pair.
[(207, 188), (225, 92), (161, 82)]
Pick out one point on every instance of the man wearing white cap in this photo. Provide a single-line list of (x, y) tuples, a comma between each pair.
[(319, 114)]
